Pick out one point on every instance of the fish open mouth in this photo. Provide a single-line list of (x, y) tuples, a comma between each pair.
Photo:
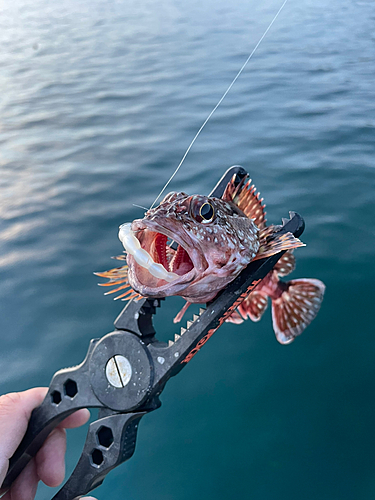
[(153, 263)]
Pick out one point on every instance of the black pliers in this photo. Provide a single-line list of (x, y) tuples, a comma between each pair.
[(125, 371)]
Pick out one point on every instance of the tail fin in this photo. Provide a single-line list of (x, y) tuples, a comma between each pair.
[(297, 306)]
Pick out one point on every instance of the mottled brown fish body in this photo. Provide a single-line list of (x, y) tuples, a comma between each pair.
[(214, 239)]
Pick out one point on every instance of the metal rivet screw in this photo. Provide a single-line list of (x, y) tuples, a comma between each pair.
[(176, 354), (160, 360), (118, 371)]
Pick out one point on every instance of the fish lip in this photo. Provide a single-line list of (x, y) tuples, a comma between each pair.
[(178, 284), (197, 258), (199, 262)]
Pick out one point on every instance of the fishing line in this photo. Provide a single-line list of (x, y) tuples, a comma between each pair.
[(139, 206), (215, 108), (220, 101)]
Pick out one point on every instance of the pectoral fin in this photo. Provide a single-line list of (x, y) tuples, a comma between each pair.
[(286, 264), (272, 242)]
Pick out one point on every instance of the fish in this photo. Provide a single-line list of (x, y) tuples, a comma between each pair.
[(214, 239)]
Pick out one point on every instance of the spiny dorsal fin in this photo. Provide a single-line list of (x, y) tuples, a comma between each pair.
[(247, 199), (272, 242)]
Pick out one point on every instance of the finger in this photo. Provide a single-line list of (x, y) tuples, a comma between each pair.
[(15, 411), (50, 459), (76, 419), (25, 486)]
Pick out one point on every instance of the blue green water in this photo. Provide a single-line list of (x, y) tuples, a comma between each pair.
[(98, 102)]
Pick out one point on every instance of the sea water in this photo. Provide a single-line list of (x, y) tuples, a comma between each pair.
[(98, 103)]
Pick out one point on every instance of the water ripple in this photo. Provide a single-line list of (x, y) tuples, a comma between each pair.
[(98, 102)]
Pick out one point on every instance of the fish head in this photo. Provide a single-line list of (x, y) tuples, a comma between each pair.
[(213, 242)]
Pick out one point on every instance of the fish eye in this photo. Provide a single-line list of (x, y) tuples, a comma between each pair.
[(201, 210), (207, 212)]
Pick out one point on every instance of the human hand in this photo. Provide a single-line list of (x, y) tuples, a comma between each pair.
[(48, 465)]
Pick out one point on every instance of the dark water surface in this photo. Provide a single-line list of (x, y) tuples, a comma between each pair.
[(98, 102)]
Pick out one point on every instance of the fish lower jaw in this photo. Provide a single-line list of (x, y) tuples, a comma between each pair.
[(147, 285), (141, 256)]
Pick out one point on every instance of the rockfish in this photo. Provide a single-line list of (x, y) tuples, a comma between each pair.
[(214, 240)]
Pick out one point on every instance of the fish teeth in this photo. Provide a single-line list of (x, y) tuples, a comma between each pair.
[(189, 323), (183, 330), (176, 337), (195, 317), (201, 310), (170, 343)]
